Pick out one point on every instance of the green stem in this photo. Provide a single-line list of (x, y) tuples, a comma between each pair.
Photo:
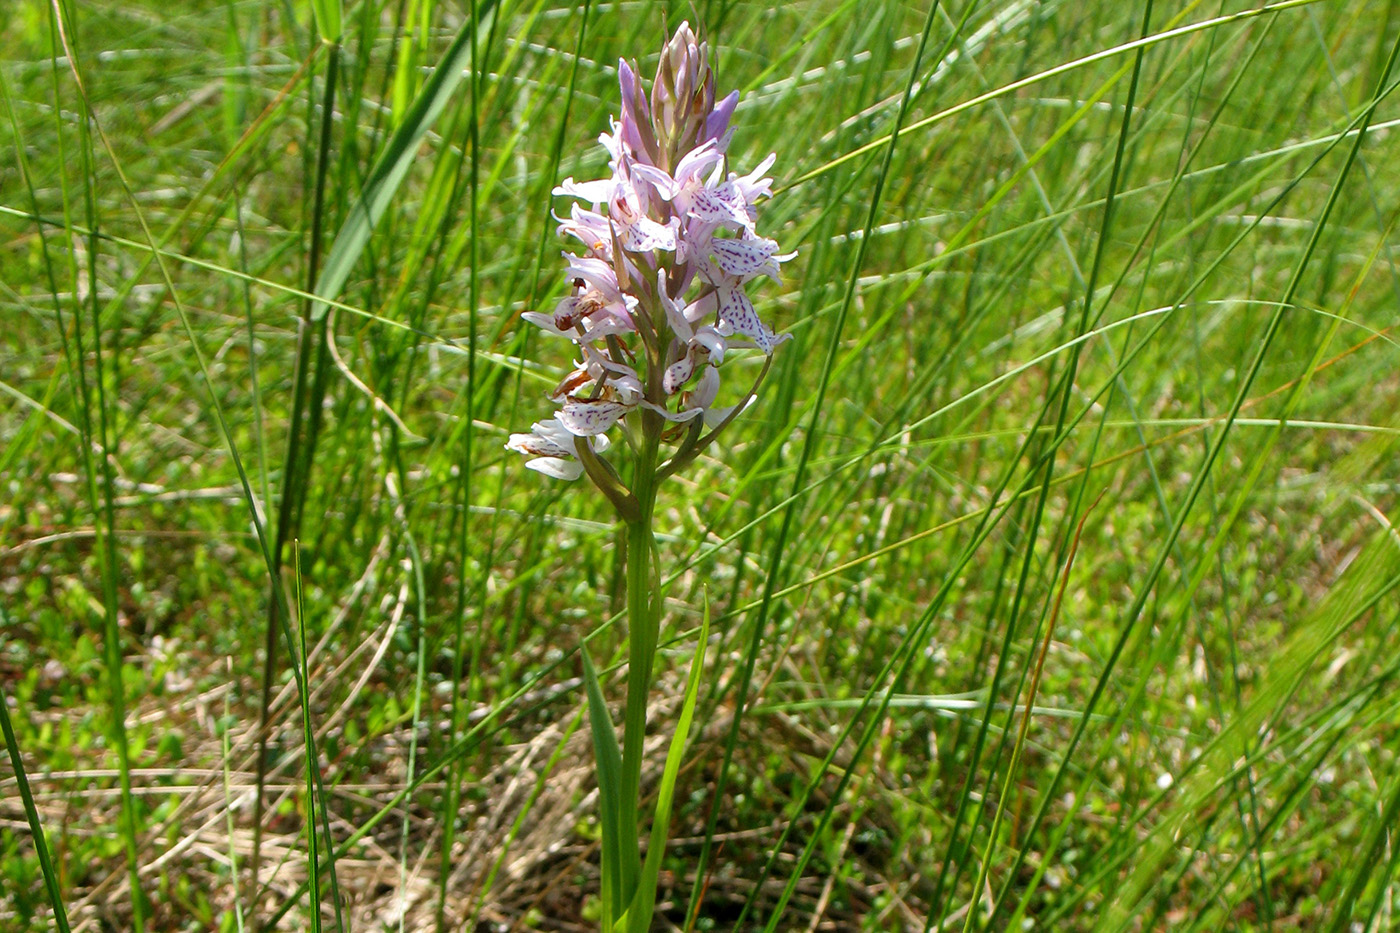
[(99, 443), (643, 628), (311, 337)]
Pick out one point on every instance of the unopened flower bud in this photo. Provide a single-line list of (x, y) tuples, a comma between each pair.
[(682, 96)]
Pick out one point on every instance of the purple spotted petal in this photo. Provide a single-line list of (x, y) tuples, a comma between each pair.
[(646, 234), (705, 205), (737, 314), (744, 258), (678, 374), (590, 417)]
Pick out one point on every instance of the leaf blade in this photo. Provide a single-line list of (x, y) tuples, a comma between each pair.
[(609, 757), (644, 900)]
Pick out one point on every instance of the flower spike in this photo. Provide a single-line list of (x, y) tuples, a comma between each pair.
[(659, 290)]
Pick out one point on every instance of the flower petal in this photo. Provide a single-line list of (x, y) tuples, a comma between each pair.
[(680, 417), (546, 439), (707, 206), (717, 123), (545, 322), (665, 185), (712, 342), (696, 162), (678, 374), (585, 417), (737, 315), (596, 192), (645, 234), (589, 227), (702, 307), (553, 466), (674, 307), (605, 326), (705, 390), (714, 417), (749, 188), (595, 272), (745, 258)]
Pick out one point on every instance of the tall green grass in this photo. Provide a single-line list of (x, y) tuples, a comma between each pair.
[(1052, 578)]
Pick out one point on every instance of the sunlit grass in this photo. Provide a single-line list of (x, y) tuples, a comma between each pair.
[(1121, 276)]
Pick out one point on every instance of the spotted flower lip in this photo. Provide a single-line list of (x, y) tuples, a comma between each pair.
[(746, 258), (551, 446), (666, 248), (589, 417), (737, 316)]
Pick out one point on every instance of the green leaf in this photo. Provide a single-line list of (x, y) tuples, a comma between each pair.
[(638, 916), (31, 812), (330, 14), (393, 163), (609, 756)]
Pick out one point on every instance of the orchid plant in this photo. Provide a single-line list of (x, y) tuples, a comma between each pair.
[(658, 299)]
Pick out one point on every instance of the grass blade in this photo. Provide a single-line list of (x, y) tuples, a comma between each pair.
[(31, 813), (393, 163)]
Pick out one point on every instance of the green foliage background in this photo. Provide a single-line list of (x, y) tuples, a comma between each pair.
[(1090, 414)]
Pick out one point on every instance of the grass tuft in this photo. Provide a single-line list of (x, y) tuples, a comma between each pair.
[(1050, 583)]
